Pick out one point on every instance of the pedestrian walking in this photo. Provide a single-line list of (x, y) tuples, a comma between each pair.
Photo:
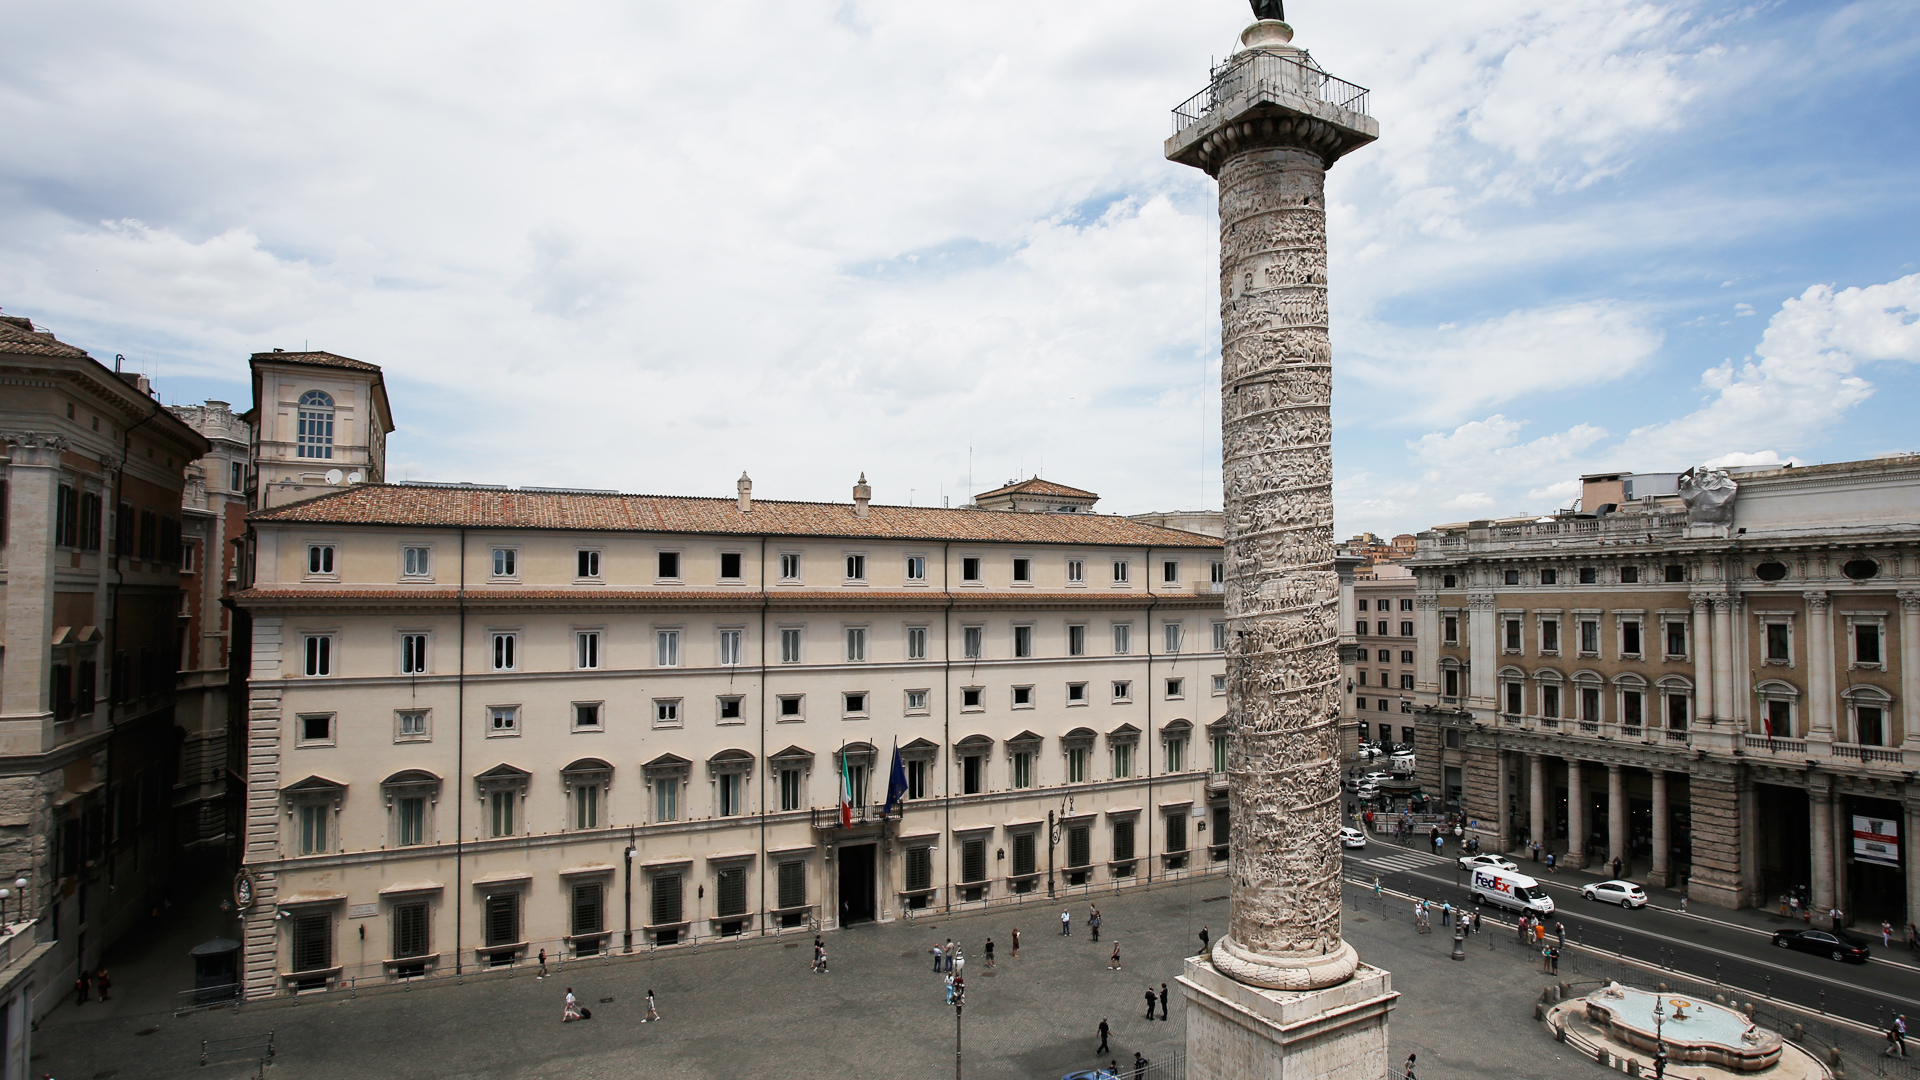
[(543, 965), (1793, 905), (1616, 866), (819, 958), (1520, 928), (81, 987), (1104, 1032), (1376, 886), (1560, 933), (1886, 942), (1093, 921), (1066, 924), (1549, 862), (989, 952), (957, 960), (652, 1012), (1139, 1063), (569, 1008), (1016, 943), (1406, 1070), (1900, 1033), (1683, 903), (1446, 914), (1536, 851), (1206, 941), (1151, 997), (1113, 962), (939, 959), (1553, 957), (1476, 922), (105, 983), (1835, 914), (1163, 1001), (949, 981), (950, 951)]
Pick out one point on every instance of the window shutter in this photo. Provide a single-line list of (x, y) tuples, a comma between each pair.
[(313, 942), (793, 883), (919, 869), (666, 899), (733, 891), (1123, 840), (973, 861), (1079, 846), (1177, 832), (409, 930), (587, 909), (503, 919), (1023, 854)]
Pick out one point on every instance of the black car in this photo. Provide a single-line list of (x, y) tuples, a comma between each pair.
[(1837, 944)]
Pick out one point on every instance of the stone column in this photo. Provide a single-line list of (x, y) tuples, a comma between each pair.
[(1616, 818), (1503, 798), (1724, 705), (1661, 874), (1702, 656), (33, 479), (1821, 793), (1912, 855), (1426, 616), (1268, 138), (1537, 829), (1910, 679), (1483, 652), (1820, 699), (1577, 813)]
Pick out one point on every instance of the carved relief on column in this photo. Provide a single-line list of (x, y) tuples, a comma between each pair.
[(33, 447), (1431, 601)]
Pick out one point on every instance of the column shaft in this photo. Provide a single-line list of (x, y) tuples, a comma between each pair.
[(1577, 828), (1661, 872), (1822, 869), (1482, 651), (1503, 800), (1912, 855), (1537, 800), (1910, 673), (1723, 658), (31, 491), (1616, 817), (1426, 614), (1820, 700), (1702, 655)]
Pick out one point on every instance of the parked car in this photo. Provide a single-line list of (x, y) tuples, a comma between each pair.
[(1468, 862), (1351, 837), (1376, 777), (1624, 893), (1834, 944)]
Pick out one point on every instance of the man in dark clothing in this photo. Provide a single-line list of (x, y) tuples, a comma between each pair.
[(1150, 1000), (1163, 1001), (1139, 1063), (1616, 866), (1103, 1036), (1206, 941)]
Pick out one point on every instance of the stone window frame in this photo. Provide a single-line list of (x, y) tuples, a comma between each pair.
[(1870, 696), (426, 726), (1581, 617), (332, 546), (1126, 737), (973, 746), (1501, 617), (847, 709), (1772, 690), (1865, 617), (908, 708), (666, 769), (1581, 681), (732, 761), (1081, 739), (1027, 742), (408, 784), (1543, 616), (1218, 730), (1453, 664), (1628, 682), (508, 778), (1669, 687), (1543, 678), (1764, 619), (585, 772), (1679, 615), (1176, 731), (332, 737), (797, 759), (1504, 678), (1458, 615), (314, 790), (400, 560), (1621, 617)]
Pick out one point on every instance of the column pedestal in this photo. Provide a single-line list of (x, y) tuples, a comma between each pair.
[(1240, 1032)]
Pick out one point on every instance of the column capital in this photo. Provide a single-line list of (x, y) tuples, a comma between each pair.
[(1427, 601), (1725, 602), (1817, 600), (1480, 601), (1909, 601), (1699, 600), (34, 448)]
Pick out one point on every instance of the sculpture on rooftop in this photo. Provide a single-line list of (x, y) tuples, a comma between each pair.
[(1270, 9), (1708, 494)]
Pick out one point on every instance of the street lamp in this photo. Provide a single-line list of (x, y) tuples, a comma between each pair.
[(1659, 1044), (959, 1006)]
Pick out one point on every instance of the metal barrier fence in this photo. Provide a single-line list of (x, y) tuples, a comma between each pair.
[(1171, 1067)]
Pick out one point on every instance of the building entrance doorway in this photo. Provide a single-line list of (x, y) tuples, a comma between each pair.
[(1784, 844), (1873, 861), (856, 883)]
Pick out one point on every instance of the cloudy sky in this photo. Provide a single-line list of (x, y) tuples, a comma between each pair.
[(647, 245)]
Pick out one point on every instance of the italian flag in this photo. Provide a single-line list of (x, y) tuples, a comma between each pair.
[(846, 793)]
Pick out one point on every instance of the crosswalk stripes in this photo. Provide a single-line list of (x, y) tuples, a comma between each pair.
[(1405, 860)]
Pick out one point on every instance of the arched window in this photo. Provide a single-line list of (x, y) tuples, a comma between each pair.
[(316, 424), (1869, 715)]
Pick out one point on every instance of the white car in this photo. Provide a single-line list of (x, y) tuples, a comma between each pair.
[(1624, 893), (1376, 778), (1351, 837), (1468, 862)]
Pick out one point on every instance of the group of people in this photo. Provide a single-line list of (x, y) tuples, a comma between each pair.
[(88, 981), (1423, 914), (571, 1009)]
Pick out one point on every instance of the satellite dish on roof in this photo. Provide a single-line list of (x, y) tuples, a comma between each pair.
[(333, 476), (356, 478)]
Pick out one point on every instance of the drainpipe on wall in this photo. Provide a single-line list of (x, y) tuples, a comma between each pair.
[(460, 767)]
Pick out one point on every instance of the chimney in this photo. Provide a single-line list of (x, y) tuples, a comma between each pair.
[(746, 493), (862, 494)]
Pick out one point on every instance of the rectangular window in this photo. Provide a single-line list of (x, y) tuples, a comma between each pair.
[(1516, 704), (1868, 727), (856, 644), (1219, 685), (1406, 628), (790, 798), (667, 895), (313, 432), (729, 566), (1780, 719), (503, 650), (1630, 708), (916, 702), (586, 649), (410, 724), (916, 643), (320, 558), (587, 715), (666, 712), (236, 475), (1023, 571), (313, 932), (789, 566), (1023, 769), (1588, 575), (586, 564), (668, 565), (970, 569), (1550, 700), (1172, 633), (972, 774), (1120, 571), (666, 648), (1510, 577), (916, 568), (506, 563), (1123, 839), (1629, 575), (416, 562), (1176, 832), (1589, 705), (973, 860), (970, 697), (587, 911), (1024, 861), (1866, 644), (666, 799), (730, 709), (1023, 641), (790, 645), (1630, 637), (1219, 637), (1220, 755), (1217, 574), (1176, 755), (1450, 630), (1077, 765), (1450, 680), (316, 729), (410, 930), (1676, 639), (1549, 635), (1779, 644), (1122, 639), (919, 871), (1023, 697), (1076, 640), (1549, 577), (732, 801), (1677, 711), (1076, 693), (1169, 572), (1079, 845), (729, 648), (1360, 604), (502, 925), (1176, 689), (917, 779), (1076, 571), (971, 638), (1590, 637), (1406, 681), (1513, 635), (854, 704), (586, 806), (500, 812), (1122, 690), (790, 706), (503, 720), (413, 654), (856, 568), (319, 655), (1676, 573)]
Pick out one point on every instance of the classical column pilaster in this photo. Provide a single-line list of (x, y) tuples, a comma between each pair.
[(1426, 614), (1910, 671), (1661, 874), (1724, 705), (1503, 798), (1616, 817), (1483, 651), (1821, 795), (32, 485), (1577, 828), (1911, 853), (1703, 702), (1537, 830), (1820, 696)]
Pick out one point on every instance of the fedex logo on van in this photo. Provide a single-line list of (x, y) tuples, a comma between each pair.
[(1492, 882)]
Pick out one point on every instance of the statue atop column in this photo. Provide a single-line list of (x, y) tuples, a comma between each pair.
[(1270, 9)]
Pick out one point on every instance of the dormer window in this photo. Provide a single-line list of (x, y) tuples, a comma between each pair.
[(315, 431)]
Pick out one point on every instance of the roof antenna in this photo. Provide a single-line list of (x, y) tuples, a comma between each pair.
[(118, 359)]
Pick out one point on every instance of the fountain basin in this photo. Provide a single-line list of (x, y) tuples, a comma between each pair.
[(1692, 1031)]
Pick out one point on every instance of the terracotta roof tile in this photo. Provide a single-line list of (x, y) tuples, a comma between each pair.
[(1037, 486), (19, 338), (503, 508), (316, 358)]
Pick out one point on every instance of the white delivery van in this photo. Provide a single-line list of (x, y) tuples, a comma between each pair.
[(1510, 889)]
